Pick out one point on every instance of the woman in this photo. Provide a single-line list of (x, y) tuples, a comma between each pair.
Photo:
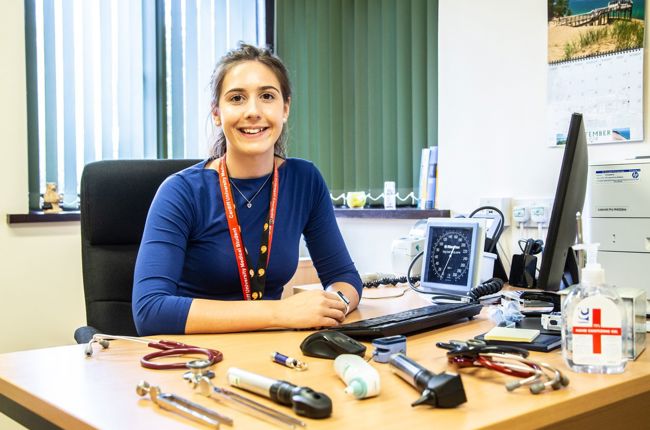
[(225, 233)]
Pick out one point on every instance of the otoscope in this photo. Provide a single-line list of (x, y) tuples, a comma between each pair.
[(303, 400), (444, 390)]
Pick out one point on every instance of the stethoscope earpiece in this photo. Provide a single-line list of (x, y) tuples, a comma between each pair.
[(89, 349)]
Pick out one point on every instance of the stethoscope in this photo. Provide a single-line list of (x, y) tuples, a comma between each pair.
[(167, 348), (508, 360)]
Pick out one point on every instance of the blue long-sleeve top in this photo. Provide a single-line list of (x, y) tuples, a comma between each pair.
[(186, 250)]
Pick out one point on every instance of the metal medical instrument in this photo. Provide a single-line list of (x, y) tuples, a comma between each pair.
[(167, 348), (201, 381), (249, 406), (303, 400), (198, 369), (474, 346), (444, 390), (290, 362), (182, 406), (508, 360)]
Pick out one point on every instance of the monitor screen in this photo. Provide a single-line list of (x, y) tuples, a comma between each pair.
[(559, 268)]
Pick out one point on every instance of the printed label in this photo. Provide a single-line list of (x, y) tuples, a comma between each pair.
[(612, 209), (597, 332), (617, 176)]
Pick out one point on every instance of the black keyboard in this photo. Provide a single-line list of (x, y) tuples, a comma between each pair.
[(410, 321)]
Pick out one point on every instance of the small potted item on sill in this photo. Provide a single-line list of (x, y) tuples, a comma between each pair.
[(51, 199), (356, 199)]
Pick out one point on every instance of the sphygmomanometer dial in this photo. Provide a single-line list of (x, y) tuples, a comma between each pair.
[(450, 256)]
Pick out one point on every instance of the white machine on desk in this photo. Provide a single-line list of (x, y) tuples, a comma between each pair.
[(404, 249), (620, 220)]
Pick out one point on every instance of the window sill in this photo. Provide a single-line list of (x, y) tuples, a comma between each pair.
[(404, 213), (40, 216)]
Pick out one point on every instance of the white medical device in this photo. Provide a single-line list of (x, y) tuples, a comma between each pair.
[(404, 249), (620, 220)]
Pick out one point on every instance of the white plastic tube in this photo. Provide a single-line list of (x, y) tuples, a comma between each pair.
[(361, 378)]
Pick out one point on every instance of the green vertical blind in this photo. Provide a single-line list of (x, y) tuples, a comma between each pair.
[(364, 76)]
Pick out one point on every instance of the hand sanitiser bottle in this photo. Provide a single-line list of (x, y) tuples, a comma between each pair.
[(592, 322), (361, 378)]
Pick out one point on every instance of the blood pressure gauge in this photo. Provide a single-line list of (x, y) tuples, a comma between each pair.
[(452, 255), (449, 257)]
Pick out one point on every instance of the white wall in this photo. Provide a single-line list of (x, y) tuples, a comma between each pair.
[(41, 296), (369, 241), (492, 104), (492, 119)]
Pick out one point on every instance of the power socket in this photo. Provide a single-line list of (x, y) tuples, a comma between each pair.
[(501, 203), (539, 211), (540, 214), (521, 214)]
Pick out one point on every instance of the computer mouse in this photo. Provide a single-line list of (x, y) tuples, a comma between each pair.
[(330, 344)]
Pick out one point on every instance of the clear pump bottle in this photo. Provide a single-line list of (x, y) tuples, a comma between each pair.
[(593, 322)]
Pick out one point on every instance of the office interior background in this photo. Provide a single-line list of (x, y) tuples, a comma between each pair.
[(492, 127)]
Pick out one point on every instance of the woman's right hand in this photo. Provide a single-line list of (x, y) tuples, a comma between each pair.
[(310, 309)]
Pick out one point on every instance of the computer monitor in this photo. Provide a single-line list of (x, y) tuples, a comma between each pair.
[(559, 268)]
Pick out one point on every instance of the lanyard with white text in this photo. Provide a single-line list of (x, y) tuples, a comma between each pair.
[(250, 279)]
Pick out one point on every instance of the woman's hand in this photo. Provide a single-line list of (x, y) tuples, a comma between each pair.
[(308, 309)]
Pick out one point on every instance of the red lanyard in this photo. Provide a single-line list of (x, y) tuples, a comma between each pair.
[(250, 279)]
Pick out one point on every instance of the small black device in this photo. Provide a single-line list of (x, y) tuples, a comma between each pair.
[(410, 321), (524, 265), (444, 390), (303, 400), (330, 344)]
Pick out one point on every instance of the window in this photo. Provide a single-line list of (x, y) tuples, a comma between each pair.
[(111, 79), (365, 88)]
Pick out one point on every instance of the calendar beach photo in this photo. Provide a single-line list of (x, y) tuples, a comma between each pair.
[(586, 28)]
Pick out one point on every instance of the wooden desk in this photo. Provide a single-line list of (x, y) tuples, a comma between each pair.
[(66, 388)]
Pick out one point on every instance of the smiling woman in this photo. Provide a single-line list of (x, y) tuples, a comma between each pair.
[(209, 256), (251, 111)]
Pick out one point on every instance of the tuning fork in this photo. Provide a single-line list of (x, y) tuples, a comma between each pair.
[(182, 406), (206, 388)]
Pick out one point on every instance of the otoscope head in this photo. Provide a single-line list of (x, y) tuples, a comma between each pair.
[(303, 400), (444, 390)]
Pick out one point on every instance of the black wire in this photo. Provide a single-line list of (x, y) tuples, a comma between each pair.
[(388, 281), (490, 286), (409, 280), (502, 222)]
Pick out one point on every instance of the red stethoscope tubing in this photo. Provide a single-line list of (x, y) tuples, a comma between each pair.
[(176, 349)]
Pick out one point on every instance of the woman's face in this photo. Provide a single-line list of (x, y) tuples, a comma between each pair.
[(251, 109)]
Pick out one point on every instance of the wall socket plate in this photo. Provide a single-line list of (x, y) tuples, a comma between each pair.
[(532, 202), (501, 203)]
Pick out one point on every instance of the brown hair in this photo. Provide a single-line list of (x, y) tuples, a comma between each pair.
[(242, 54)]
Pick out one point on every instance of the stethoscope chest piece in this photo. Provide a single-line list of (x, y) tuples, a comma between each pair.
[(198, 369)]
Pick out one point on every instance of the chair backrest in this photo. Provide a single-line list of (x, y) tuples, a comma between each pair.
[(115, 199)]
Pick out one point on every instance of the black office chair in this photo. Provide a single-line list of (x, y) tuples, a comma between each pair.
[(115, 199)]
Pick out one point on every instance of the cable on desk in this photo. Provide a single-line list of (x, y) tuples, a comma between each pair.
[(491, 286)]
